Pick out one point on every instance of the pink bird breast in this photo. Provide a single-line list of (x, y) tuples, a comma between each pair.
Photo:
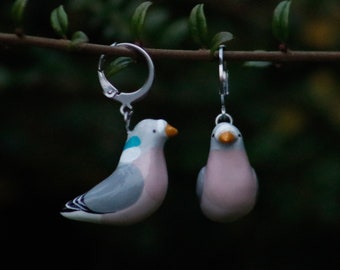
[(230, 185)]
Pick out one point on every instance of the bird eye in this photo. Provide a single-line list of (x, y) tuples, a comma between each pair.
[(213, 135), (154, 131), (240, 135)]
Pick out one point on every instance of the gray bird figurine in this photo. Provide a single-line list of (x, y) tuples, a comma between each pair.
[(227, 185), (138, 185)]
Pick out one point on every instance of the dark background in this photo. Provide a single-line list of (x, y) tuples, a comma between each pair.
[(59, 136)]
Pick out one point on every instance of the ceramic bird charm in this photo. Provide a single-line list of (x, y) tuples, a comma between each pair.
[(138, 185), (227, 184)]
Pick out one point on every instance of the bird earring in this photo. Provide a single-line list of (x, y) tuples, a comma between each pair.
[(227, 185), (138, 185)]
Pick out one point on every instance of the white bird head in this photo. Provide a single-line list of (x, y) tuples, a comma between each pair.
[(152, 132), (226, 135), (147, 134)]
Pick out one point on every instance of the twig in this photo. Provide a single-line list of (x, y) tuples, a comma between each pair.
[(199, 55)]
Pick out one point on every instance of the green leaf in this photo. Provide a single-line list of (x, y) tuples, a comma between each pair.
[(118, 64), (198, 25), (280, 23), (258, 64), (218, 39), (138, 19), (59, 21), (78, 38), (18, 9)]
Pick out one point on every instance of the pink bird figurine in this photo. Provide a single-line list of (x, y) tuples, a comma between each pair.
[(227, 185), (138, 185)]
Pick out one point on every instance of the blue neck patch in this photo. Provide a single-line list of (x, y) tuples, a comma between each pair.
[(132, 142)]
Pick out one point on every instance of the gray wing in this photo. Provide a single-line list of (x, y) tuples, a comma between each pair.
[(118, 191), (199, 183)]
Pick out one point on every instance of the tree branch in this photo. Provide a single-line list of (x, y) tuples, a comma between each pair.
[(199, 55)]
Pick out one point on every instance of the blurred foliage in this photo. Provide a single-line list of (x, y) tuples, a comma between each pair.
[(59, 136), (280, 23), (59, 21)]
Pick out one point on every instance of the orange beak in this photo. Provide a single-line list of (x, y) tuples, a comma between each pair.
[(170, 131), (227, 137)]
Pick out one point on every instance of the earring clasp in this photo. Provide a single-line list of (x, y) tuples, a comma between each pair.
[(223, 73), (224, 87), (126, 98)]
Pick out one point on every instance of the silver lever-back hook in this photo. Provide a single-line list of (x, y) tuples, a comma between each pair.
[(126, 99), (224, 87), (223, 74)]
